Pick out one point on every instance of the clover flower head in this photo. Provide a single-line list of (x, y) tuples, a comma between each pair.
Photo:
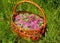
[(17, 17)]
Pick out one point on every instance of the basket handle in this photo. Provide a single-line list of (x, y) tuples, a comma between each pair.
[(40, 9)]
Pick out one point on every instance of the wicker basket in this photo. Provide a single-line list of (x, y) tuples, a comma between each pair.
[(28, 33)]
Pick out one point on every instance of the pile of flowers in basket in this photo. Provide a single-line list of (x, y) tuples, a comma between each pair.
[(28, 21)]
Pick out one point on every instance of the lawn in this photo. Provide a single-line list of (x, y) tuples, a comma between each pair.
[(51, 9)]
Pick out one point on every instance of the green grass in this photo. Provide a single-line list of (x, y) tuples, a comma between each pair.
[(52, 12)]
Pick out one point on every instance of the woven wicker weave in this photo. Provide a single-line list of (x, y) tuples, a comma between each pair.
[(28, 33)]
